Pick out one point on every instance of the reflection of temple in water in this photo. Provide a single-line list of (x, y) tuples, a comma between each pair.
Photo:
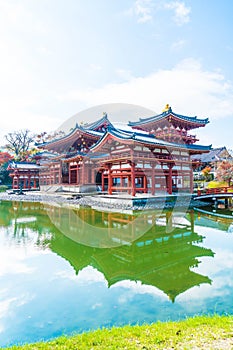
[(162, 257)]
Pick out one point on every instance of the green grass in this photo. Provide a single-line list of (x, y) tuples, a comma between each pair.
[(194, 333)]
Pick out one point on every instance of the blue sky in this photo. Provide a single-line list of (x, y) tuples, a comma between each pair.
[(60, 57)]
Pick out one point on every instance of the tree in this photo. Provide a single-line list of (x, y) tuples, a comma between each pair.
[(4, 175), (19, 143), (206, 173), (225, 172)]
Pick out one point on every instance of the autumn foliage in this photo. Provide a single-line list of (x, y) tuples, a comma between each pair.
[(225, 172), (206, 172)]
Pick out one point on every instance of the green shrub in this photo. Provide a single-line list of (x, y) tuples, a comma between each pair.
[(216, 184), (3, 188)]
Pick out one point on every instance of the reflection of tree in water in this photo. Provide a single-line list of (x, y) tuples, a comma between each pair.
[(163, 257), (25, 222)]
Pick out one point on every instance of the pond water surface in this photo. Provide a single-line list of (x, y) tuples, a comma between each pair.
[(72, 270)]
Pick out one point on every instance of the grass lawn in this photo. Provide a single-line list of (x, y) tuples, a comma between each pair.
[(194, 333)]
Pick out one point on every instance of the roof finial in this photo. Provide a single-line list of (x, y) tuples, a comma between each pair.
[(167, 108)]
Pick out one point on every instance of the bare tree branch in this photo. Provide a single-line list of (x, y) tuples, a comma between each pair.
[(19, 142)]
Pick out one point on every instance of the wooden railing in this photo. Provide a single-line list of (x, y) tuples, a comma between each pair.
[(217, 190)]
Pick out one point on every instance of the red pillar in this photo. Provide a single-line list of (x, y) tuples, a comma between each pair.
[(83, 173), (60, 174), (93, 176), (153, 180), (169, 179), (191, 181), (109, 179), (133, 188), (69, 180), (29, 182), (102, 179)]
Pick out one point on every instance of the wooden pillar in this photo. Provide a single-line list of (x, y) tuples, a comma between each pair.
[(83, 173), (102, 180), (69, 179), (169, 179), (29, 182), (93, 176), (191, 181), (145, 190), (133, 188), (78, 175), (60, 174), (109, 179), (153, 180)]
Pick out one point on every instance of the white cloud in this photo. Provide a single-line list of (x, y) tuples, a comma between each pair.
[(187, 87), (181, 12), (133, 288), (124, 74), (43, 51), (89, 275), (142, 10), (178, 45), (95, 67)]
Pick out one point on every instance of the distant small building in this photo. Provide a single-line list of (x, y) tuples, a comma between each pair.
[(24, 175), (212, 158)]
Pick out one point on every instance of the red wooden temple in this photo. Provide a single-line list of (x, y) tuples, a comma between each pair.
[(24, 175), (152, 155)]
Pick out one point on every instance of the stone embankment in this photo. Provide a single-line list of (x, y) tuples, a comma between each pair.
[(107, 203)]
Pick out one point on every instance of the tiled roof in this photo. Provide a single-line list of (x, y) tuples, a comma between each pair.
[(98, 123), (77, 127), (148, 139), (166, 114), (23, 165), (213, 155)]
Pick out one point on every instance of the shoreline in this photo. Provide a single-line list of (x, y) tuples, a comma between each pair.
[(204, 332), (114, 203)]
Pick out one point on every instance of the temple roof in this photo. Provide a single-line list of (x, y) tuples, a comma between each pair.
[(193, 122), (63, 143), (71, 133), (23, 166), (102, 122), (145, 139), (216, 154)]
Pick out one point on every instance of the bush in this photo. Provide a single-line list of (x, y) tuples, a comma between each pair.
[(217, 184), (3, 188)]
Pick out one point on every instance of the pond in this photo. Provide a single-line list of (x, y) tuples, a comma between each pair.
[(66, 270)]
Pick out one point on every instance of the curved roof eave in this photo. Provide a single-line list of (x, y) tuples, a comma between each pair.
[(77, 127), (164, 115), (92, 126), (148, 139)]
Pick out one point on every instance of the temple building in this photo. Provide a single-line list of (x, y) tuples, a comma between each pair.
[(24, 175), (152, 155)]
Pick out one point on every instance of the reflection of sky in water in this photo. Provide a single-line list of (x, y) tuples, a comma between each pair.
[(41, 296)]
